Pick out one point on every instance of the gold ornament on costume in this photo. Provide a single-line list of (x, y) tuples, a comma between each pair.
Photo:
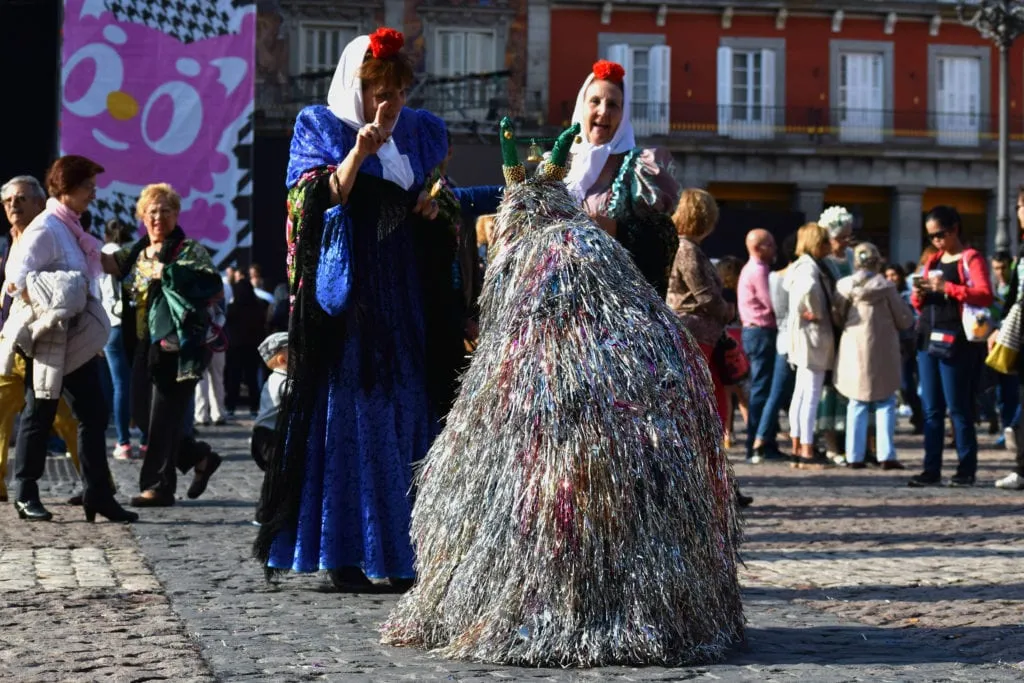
[(536, 153)]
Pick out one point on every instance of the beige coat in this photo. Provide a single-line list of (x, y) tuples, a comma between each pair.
[(868, 366), (811, 342)]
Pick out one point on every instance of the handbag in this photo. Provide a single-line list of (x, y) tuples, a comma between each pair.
[(731, 364), (334, 271), (976, 320), (941, 343), (1003, 356)]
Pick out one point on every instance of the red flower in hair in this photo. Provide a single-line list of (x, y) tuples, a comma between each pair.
[(609, 71), (385, 43)]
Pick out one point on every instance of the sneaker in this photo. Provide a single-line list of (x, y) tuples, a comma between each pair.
[(961, 480), (123, 451), (1010, 437), (858, 465), (1011, 482), (924, 479), (892, 465)]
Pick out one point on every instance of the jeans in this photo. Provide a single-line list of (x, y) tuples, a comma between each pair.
[(759, 345), (1007, 392), (803, 410), (950, 384), (1018, 428), (79, 387), (121, 377), (908, 389), (858, 414), (783, 379)]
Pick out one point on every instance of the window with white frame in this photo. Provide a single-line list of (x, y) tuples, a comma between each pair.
[(320, 48), (747, 91), (461, 52), (861, 100), (649, 78), (958, 98)]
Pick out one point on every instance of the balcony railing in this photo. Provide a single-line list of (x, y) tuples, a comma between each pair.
[(463, 101), (818, 125)]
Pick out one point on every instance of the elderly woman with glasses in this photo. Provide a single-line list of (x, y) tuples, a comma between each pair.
[(168, 283)]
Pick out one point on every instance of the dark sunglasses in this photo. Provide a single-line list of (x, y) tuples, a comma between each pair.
[(941, 234)]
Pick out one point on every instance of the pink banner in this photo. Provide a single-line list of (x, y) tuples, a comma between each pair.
[(162, 91)]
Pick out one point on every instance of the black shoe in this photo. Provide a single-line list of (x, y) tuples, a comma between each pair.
[(892, 465), (961, 481), (202, 476), (858, 465), (32, 511), (351, 580), (109, 509), (75, 500), (220, 423), (401, 585), (924, 479)]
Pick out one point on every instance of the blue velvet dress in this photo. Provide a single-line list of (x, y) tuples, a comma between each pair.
[(371, 419)]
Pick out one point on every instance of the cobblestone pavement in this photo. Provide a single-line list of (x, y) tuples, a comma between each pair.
[(850, 576)]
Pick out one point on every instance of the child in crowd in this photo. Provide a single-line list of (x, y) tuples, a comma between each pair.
[(729, 269), (274, 351)]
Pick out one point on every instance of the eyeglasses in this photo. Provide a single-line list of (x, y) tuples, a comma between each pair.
[(940, 235)]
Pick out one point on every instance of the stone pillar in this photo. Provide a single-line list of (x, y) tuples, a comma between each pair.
[(809, 200), (905, 228)]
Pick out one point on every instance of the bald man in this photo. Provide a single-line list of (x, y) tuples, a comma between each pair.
[(759, 329)]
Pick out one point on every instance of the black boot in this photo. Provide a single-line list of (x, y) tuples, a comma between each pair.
[(32, 511)]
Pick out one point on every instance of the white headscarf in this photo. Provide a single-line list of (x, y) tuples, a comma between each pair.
[(345, 100), (588, 159)]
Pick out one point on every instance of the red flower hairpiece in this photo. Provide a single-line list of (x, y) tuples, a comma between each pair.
[(385, 43), (609, 71)]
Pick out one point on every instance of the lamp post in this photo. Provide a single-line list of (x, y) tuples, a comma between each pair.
[(1001, 21)]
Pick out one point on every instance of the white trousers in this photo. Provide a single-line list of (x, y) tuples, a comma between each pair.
[(210, 391), (803, 410)]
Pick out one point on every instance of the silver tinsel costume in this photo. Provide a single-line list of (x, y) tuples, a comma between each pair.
[(578, 508)]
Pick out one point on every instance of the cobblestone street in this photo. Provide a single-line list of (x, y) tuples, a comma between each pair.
[(850, 576)]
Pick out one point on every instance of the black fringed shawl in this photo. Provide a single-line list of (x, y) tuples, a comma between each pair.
[(312, 334)]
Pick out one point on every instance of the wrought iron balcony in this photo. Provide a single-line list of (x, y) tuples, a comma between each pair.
[(816, 125), (473, 102)]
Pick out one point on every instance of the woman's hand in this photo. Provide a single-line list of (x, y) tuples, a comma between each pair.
[(609, 225), (809, 316), (992, 338), (372, 136), (426, 206)]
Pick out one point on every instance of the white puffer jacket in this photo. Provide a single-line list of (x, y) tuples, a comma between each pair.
[(60, 328)]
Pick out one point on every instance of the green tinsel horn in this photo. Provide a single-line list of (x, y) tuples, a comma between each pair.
[(511, 167), (555, 167)]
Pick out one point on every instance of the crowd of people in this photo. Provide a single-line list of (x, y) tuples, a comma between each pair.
[(838, 339), (138, 320), (578, 469)]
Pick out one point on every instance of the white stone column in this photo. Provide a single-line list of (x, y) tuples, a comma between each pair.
[(810, 200), (905, 227)]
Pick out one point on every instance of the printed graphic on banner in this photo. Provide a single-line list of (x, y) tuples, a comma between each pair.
[(162, 91)]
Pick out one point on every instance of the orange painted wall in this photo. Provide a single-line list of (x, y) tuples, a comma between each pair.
[(694, 38)]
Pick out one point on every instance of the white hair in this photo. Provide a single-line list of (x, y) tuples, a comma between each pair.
[(36, 188)]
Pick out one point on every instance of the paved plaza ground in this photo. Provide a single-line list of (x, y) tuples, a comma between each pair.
[(849, 576)]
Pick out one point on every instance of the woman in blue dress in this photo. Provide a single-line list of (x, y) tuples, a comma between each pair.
[(336, 496)]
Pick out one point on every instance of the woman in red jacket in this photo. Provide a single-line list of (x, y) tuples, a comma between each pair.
[(949, 349)]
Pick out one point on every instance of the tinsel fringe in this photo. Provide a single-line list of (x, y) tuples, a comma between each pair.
[(578, 508)]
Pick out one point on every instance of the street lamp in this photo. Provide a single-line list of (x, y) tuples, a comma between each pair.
[(1001, 21)]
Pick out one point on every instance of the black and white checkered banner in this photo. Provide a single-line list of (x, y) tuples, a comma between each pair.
[(162, 91)]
